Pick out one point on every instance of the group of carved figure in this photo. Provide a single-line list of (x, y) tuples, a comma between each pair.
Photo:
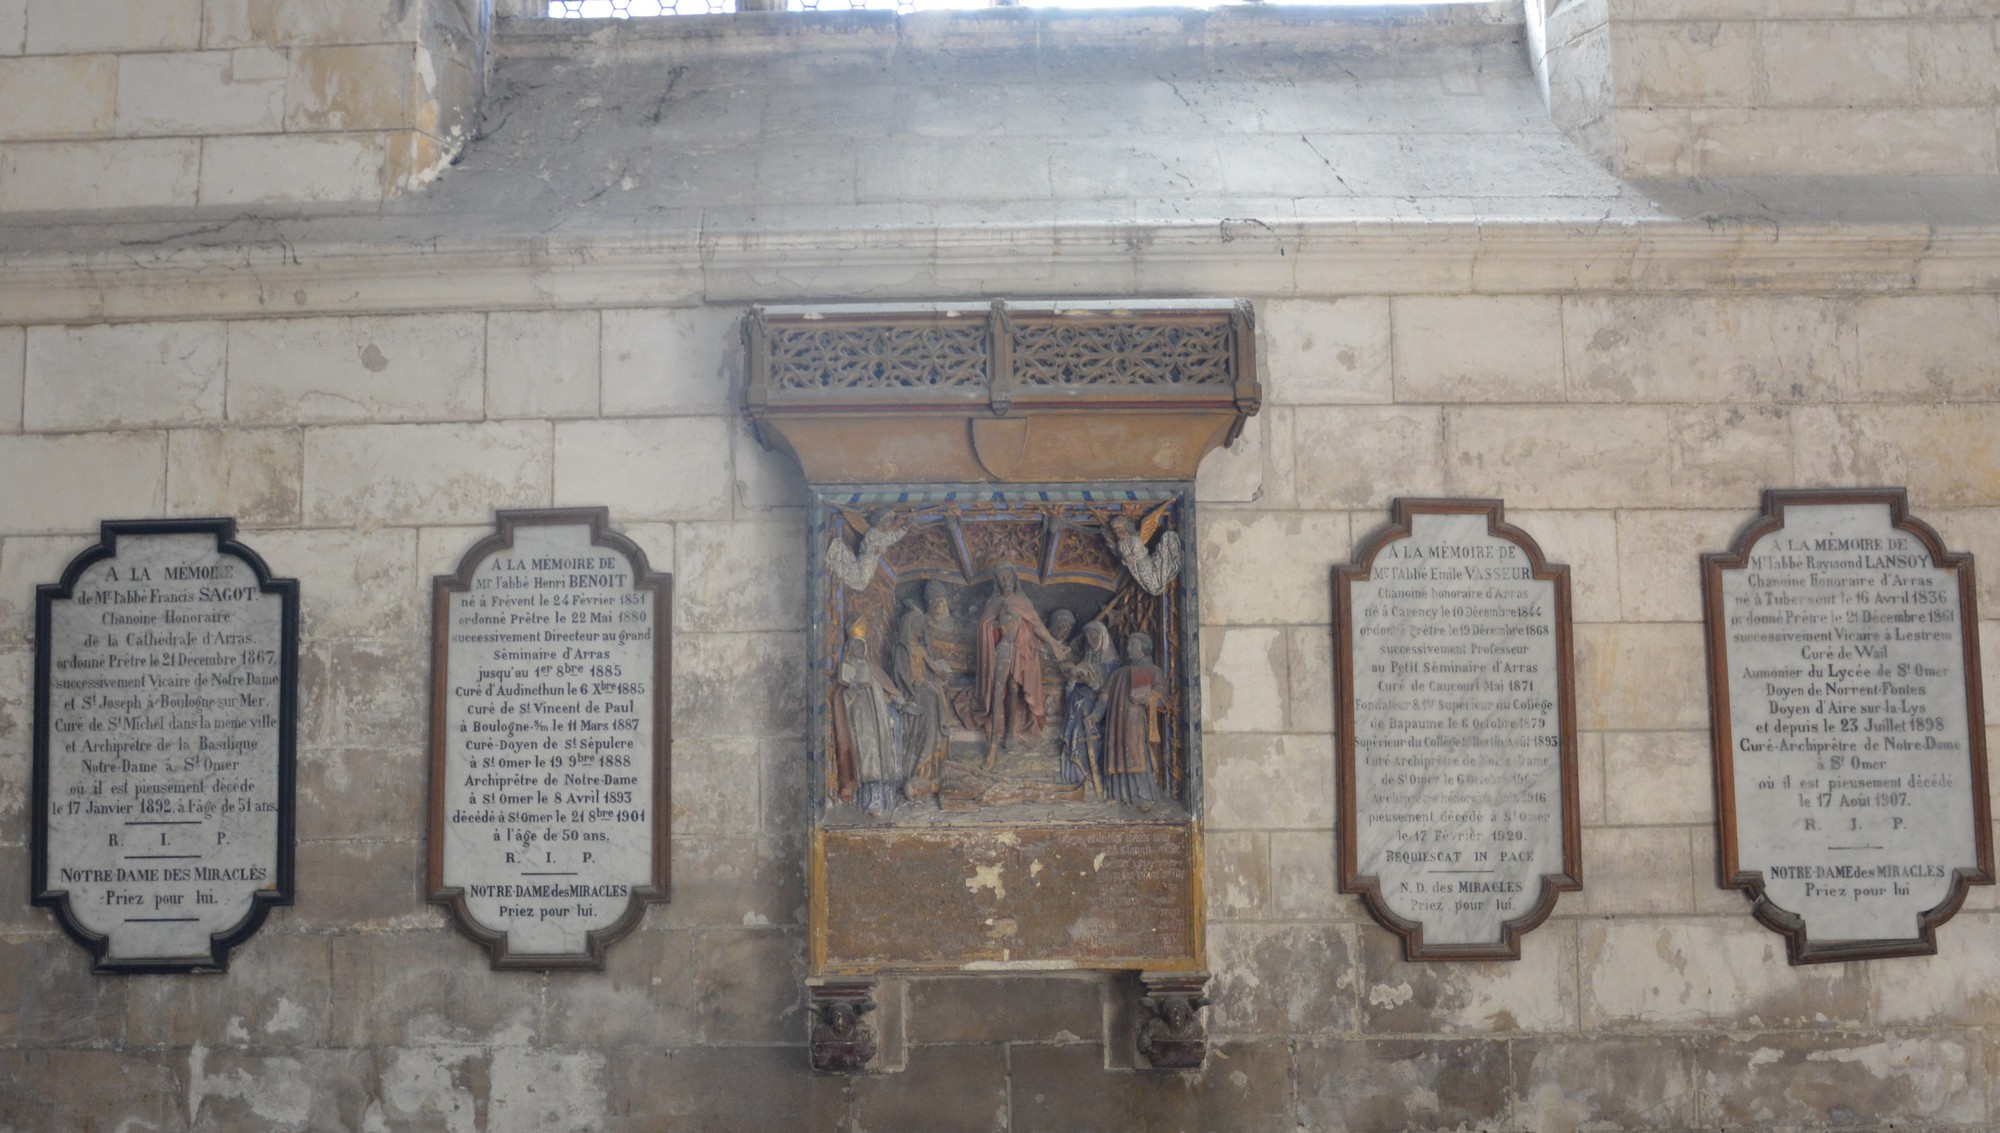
[(892, 725)]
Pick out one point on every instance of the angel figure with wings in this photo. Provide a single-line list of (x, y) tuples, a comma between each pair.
[(882, 530), (1151, 569)]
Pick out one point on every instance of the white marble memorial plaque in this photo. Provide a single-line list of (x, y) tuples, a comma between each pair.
[(166, 669), (549, 739), (1457, 764), (1848, 739)]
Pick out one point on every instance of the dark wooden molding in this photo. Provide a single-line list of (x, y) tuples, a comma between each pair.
[(281, 890), (1799, 948), (1368, 886), (598, 519)]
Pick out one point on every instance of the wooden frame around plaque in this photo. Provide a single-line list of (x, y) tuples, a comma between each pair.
[(279, 889), (1369, 886), (506, 526), (1799, 947)]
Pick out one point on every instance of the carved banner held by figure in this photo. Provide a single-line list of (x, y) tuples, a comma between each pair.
[(166, 688), (1457, 736), (1850, 745), (549, 699)]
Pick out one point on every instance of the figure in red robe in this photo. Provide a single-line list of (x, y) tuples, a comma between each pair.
[(1134, 694), (1008, 671)]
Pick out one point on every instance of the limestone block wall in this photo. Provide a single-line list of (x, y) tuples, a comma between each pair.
[(1628, 427), (1735, 88), (229, 103)]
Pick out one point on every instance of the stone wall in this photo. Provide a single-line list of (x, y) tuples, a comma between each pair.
[(362, 391), (1735, 88), (108, 104), (1626, 431)]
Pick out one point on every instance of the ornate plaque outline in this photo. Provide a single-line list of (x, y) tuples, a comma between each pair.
[(1368, 886), (281, 890), (1799, 948), (598, 519)]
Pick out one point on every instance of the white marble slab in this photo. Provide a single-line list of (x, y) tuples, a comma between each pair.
[(1457, 729), (165, 695), (548, 721), (1845, 666)]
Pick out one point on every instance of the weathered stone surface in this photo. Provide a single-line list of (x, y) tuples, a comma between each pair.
[(731, 1089), (977, 1101), (429, 1087), (1636, 871), (672, 360), (750, 984), (1617, 456), (378, 694), (25, 563), (1808, 1081), (13, 366), (351, 584), (1732, 973), (1836, 62), (1260, 455), (1402, 1084), (1244, 677), (1281, 979), (55, 999), (89, 1090), (71, 96), (1754, 350), (736, 881), (1478, 348), (80, 479), (1385, 452), (1535, 993), (1957, 986), (1929, 347), (541, 363), (738, 684), (1309, 693), (278, 993), (368, 474), (995, 1009), (1659, 559), (1237, 875), (361, 792), (1302, 878), (733, 577), (196, 92), (65, 27), (1269, 782), (315, 1091), (1590, 786), (1271, 568), (1320, 352), (715, 786), (361, 886), (407, 368), (1587, 543), (241, 23), (134, 173), (645, 998), (295, 169), (1244, 1088), (1654, 778), (390, 990), (1684, 63), (123, 376), (1640, 676), (1603, 1082), (351, 87), (659, 468), (16, 716), (251, 474)]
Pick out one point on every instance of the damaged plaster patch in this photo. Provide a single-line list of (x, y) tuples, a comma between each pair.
[(1382, 995), (987, 877), (277, 1093)]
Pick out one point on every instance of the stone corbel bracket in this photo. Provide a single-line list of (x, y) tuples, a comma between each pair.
[(1000, 391)]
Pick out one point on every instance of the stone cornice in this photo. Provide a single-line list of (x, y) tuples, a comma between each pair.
[(274, 271)]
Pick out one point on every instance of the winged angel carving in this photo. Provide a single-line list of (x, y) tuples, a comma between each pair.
[(1151, 569)]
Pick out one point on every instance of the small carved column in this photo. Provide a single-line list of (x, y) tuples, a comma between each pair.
[(843, 1041), (1171, 1033)]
